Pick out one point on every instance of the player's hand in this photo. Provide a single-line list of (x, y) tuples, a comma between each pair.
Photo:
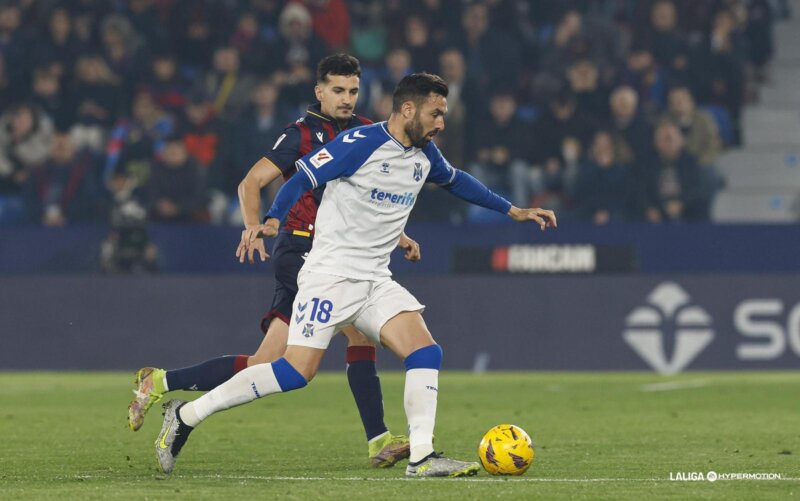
[(269, 228), (411, 247), (544, 218), (250, 243)]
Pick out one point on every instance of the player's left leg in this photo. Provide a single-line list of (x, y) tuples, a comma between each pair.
[(324, 303), (384, 448), (291, 372)]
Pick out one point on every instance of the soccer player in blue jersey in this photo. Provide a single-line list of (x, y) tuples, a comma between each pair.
[(337, 92), (372, 175)]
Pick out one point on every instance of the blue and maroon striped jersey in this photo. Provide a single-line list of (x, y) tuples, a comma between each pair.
[(306, 135)]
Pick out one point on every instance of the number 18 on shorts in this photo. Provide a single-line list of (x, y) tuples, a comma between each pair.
[(326, 303)]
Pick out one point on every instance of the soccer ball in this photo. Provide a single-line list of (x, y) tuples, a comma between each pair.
[(506, 450)]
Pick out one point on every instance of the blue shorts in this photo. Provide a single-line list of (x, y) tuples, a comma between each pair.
[(288, 257)]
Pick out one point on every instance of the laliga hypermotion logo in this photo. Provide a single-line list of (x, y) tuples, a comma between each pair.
[(668, 312)]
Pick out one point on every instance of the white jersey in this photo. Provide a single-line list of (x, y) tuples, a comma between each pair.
[(372, 182)]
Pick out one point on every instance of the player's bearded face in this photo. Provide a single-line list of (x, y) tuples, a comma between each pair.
[(416, 131), (427, 122)]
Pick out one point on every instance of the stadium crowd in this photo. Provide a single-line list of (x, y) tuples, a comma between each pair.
[(154, 110)]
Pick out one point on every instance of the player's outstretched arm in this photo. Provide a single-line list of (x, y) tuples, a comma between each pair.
[(260, 175), (544, 218), (469, 189)]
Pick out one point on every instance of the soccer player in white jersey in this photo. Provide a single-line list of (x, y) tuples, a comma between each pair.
[(373, 175)]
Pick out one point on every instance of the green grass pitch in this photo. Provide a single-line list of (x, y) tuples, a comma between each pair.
[(597, 436)]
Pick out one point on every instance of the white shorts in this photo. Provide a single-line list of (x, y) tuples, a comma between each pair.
[(326, 303)]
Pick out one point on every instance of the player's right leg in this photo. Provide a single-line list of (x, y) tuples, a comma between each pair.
[(408, 337)]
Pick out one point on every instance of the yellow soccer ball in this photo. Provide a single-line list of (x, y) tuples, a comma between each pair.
[(506, 450)]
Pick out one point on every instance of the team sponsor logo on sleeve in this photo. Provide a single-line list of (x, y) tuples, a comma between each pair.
[(320, 158)]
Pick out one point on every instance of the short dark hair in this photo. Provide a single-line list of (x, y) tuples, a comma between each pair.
[(338, 64), (417, 87)]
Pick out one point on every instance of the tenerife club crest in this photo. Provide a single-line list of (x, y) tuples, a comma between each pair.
[(308, 330), (385, 168), (417, 171)]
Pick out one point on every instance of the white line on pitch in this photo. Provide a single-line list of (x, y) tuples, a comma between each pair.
[(403, 479), (674, 385)]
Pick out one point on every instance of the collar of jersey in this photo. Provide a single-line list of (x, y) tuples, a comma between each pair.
[(316, 111), (398, 143)]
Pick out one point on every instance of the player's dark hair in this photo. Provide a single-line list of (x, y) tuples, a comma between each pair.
[(417, 87), (338, 64)]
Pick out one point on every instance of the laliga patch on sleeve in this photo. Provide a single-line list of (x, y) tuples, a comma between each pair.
[(320, 158)]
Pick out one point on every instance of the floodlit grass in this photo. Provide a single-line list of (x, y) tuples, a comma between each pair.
[(613, 436)]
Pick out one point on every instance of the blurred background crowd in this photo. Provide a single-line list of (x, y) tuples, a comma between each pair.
[(154, 110)]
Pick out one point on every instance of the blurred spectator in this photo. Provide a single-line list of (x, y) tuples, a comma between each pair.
[(499, 150), (424, 51), (13, 43), (633, 135), (369, 33), (135, 142), (461, 104), (121, 50), (676, 189), (25, 137), (255, 134), (577, 37), (191, 35), (176, 190), (203, 133), (64, 190), (592, 96), (61, 47), (227, 84), (97, 100), (698, 127), (759, 34), (165, 83), (247, 40), (643, 73), (145, 20), (722, 62), (670, 47), (491, 55), (560, 122), (209, 143), (605, 190), (382, 109), (47, 95), (331, 22), (397, 65), (302, 49)]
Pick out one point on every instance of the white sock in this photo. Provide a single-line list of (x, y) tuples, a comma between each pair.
[(253, 382), (421, 393)]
